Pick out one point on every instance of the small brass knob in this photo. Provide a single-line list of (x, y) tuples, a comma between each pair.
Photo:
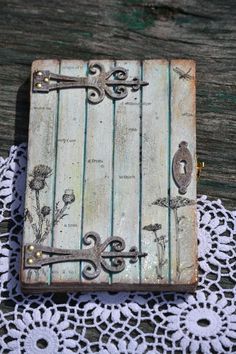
[(30, 261), (31, 248), (38, 254)]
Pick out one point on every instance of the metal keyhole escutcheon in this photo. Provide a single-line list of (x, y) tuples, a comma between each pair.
[(182, 167)]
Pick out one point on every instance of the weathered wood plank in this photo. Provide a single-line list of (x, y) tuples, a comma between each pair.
[(41, 170), (183, 128), (69, 171), (97, 201), (126, 214), (155, 171)]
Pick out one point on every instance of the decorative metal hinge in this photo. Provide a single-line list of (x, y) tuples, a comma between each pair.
[(182, 158), (37, 255), (99, 82)]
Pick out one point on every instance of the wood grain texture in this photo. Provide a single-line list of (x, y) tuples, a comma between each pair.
[(97, 201), (127, 174), (201, 30), (41, 171), (155, 169), (183, 247), (69, 170)]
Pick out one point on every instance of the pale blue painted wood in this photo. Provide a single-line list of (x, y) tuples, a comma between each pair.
[(41, 155), (97, 201), (69, 171), (155, 171), (183, 128), (126, 215)]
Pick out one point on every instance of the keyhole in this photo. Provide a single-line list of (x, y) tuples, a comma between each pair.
[(182, 168)]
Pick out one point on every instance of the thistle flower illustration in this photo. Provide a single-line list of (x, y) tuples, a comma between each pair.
[(45, 210), (38, 183), (68, 198), (174, 204), (42, 227), (161, 246), (41, 171)]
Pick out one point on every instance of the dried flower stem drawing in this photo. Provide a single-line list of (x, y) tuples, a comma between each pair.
[(42, 227), (174, 204), (161, 246)]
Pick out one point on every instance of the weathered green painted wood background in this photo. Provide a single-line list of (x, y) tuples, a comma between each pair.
[(200, 30)]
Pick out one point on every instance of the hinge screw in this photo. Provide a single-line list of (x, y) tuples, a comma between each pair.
[(30, 261), (38, 254), (31, 248), (39, 73), (46, 79), (38, 85)]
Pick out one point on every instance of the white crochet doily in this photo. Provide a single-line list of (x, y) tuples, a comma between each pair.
[(120, 323)]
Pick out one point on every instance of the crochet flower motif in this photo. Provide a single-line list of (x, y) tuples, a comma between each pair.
[(108, 306), (43, 332), (203, 323), (216, 240), (126, 347), (12, 178), (9, 263)]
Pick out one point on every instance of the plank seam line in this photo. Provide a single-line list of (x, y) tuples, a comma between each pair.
[(55, 170), (169, 172), (84, 171)]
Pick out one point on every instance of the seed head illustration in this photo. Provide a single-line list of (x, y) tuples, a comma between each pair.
[(68, 197), (174, 204), (45, 210), (161, 245)]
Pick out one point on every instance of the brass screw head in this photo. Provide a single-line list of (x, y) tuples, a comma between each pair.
[(46, 79), (31, 248), (38, 254), (39, 73), (38, 85), (30, 261)]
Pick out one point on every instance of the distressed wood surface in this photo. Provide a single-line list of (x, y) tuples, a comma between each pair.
[(183, 128), (41, 171), (127, 174), (69, 170), (97, 199), (110, 172), (199, 30), (155, 167)]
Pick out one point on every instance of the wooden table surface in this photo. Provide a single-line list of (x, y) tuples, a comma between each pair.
[(201, 30)]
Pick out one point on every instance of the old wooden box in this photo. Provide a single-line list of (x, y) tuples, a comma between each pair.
[(111, 183)]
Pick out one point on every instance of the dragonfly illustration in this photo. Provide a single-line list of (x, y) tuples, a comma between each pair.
[(182, 74)]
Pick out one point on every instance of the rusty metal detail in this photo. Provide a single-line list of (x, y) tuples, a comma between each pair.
[(182, 167), (36, 255), (99, 83)]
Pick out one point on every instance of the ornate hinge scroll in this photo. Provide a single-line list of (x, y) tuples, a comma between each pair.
[(182, 159), (37, 255), (113, 83)]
